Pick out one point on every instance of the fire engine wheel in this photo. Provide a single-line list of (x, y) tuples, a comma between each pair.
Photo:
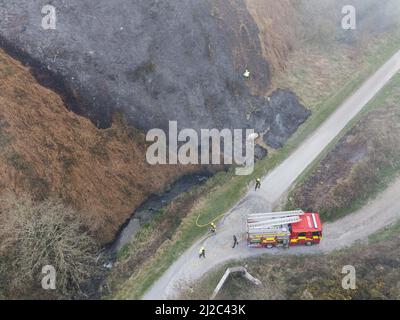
[(269, 246), (308, 244)]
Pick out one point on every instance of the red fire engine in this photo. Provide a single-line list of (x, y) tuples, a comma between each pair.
[(283, 229)]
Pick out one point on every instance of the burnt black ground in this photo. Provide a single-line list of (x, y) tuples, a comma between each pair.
[(152, 60)]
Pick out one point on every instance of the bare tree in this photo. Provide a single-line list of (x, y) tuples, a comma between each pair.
[(48, 233)]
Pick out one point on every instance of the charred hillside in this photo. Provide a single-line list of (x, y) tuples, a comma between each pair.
[(49, 152), (157, 61)]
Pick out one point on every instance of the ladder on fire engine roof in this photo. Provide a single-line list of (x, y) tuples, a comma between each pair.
[(258, 216), (266, 221)]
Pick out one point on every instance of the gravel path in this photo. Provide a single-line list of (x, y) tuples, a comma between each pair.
[(357, 226)]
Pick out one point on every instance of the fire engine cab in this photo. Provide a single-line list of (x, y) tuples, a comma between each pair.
[(283, 229)]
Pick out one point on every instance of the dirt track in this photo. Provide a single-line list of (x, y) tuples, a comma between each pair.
[(383, 211)]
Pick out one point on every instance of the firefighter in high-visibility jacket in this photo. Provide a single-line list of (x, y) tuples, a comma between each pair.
[(213, 227), (202, 253)]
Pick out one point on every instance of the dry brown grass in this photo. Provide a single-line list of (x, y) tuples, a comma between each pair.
[(278, 23), (50, 152)]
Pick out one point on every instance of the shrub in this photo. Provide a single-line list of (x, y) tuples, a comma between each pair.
[(39, 234)]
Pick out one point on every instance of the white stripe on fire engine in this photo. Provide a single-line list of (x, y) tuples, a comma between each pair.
[(315, 221)]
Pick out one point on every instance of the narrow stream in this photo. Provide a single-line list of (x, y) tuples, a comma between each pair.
[(151, 206)]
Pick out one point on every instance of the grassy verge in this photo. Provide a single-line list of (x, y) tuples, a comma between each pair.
[(386, 234), (388, 164), (226, 189)]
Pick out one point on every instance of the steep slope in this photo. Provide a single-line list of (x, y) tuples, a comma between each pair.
[(50, 152), (150, 61), (278, 24), (155, 61)]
